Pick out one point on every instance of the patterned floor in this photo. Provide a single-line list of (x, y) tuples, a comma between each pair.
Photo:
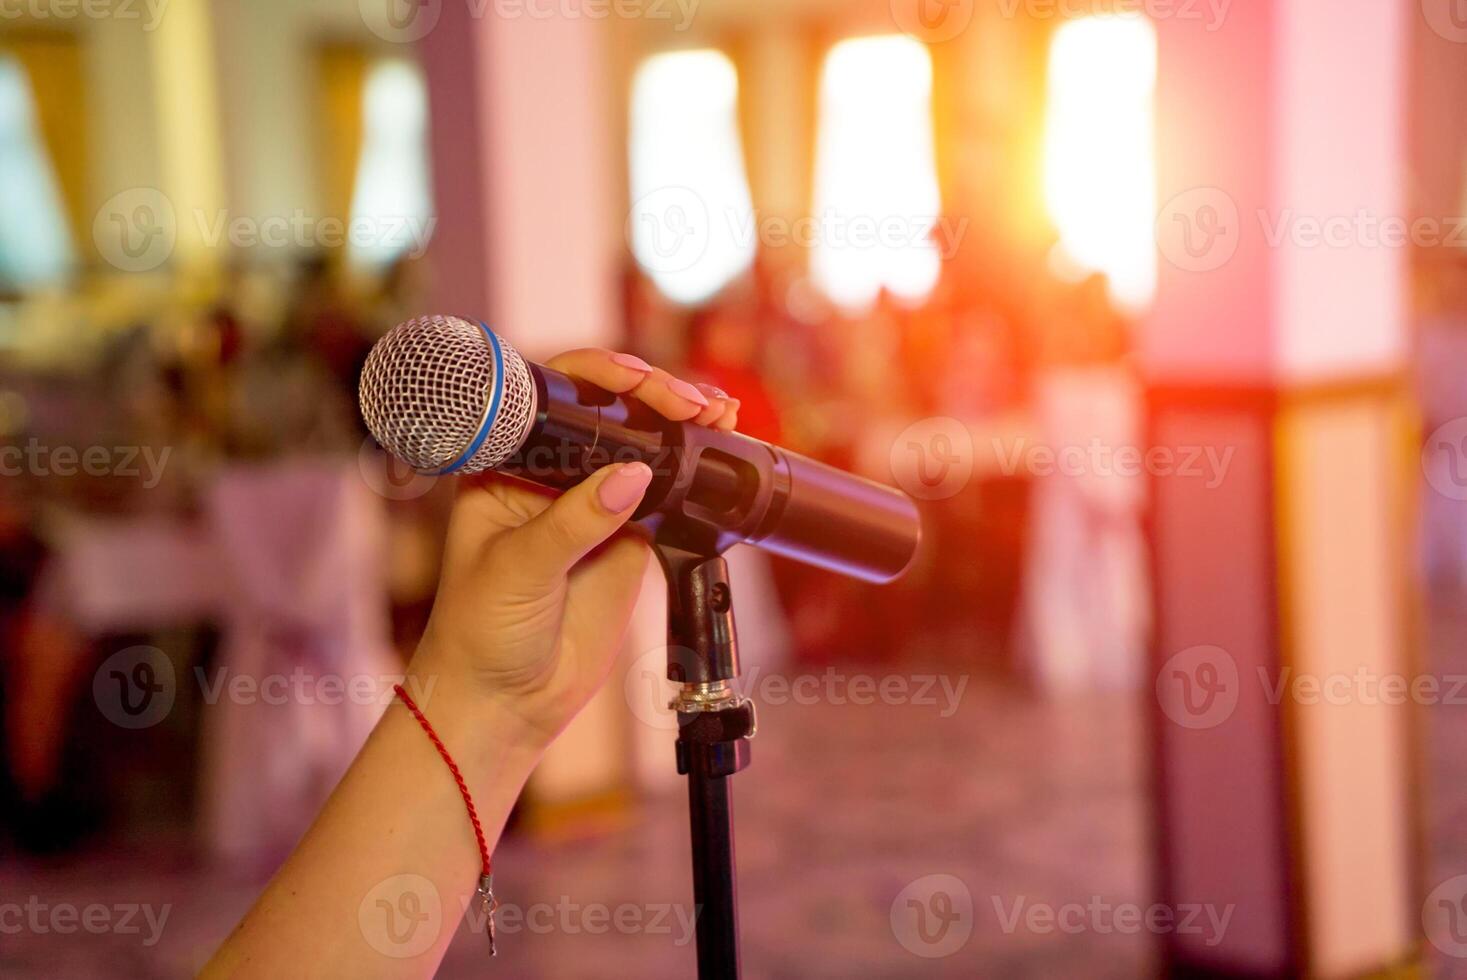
[(847, 811)]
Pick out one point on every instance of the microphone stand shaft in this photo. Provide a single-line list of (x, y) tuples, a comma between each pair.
[(715, 893), (714, 727)]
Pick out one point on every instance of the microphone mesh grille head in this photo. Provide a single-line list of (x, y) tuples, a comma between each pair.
[(446, 395)]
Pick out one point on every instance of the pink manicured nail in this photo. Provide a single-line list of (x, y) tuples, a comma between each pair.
[(684, 390), (631, 361), (624, 487)]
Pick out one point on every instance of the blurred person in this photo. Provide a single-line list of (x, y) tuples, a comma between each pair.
[(44, 662), (322, 322), (225, 320), (1085, 589), (401, 293), (536, 595), (973, 372), (287, 398)]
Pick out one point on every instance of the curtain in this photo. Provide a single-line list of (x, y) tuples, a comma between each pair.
[(52, 62), (341, 80)]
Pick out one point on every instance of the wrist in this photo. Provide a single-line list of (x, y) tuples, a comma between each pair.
[(479, 726)]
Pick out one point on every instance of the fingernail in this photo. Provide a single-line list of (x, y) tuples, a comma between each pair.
[(713, 391), (631, 361), (624, 487), (684, 390)]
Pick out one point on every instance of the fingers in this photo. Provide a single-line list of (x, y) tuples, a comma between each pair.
[(669, 396), (545, 547), (611, 370), (672, 397), (730, 418), (722, 411)]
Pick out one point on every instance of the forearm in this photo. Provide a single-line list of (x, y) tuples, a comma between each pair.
[(378, 885)]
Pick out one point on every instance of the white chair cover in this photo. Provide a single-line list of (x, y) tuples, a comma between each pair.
[(1085, 597), (304, 613)]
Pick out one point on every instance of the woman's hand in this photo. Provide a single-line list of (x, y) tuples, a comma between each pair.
[(534, 601), (531, 609)]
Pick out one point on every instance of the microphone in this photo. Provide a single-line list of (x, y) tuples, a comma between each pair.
[(447, 395)]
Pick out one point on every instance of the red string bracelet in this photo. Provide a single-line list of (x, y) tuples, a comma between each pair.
[(486, 876)]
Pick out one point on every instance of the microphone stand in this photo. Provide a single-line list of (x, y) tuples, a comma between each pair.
[(714, 726)]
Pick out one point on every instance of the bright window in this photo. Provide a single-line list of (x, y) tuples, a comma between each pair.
[(691, 225), (1099, 170), (35, 242), (876, 197), (392, 200)]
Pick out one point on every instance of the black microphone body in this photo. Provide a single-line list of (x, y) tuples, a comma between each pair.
[(711, 489)]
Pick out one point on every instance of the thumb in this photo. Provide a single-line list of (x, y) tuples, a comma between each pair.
[(546, 546)]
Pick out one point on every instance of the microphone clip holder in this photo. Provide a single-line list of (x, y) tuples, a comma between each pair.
[(715, 724)]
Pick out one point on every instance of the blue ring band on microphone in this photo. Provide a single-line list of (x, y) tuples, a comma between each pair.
[(489, 416)]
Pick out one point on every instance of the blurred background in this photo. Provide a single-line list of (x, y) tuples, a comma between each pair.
[(1158, 307)]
